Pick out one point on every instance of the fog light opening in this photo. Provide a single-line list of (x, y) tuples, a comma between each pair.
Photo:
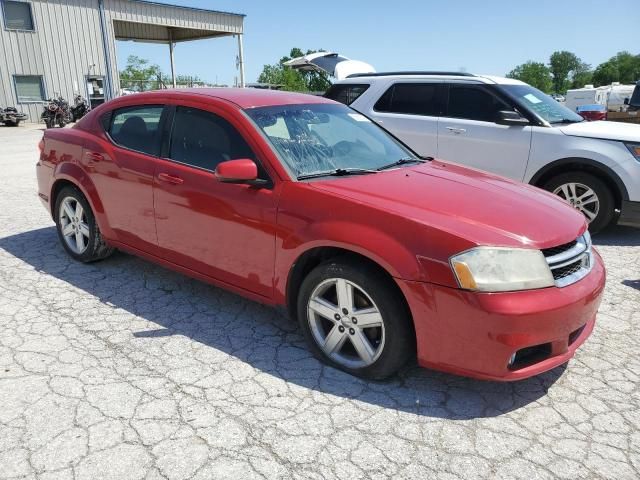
[(528, 356)]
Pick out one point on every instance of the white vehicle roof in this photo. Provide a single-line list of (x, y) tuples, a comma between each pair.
[(345, 69), (359, 77)]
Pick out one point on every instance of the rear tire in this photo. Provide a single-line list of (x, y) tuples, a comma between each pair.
[(77, 227), (381, 338), (587, 194)]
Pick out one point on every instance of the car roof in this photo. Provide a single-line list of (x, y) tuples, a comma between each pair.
[(242, 97)]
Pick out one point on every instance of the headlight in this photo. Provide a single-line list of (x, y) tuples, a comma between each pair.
[(496, 269), (634, 148)]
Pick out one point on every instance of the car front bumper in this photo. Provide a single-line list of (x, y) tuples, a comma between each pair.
[(477, 334), (630, 214)]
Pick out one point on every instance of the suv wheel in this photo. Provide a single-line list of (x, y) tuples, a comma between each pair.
[(354, 319), (77, 227), (587, 194)]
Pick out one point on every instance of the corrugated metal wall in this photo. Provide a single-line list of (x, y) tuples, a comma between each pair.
[(67, 39)]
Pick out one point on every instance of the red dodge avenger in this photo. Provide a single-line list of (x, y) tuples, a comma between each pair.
[(301, 202)]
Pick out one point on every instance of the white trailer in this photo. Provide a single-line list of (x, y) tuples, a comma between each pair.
[(588, 95)]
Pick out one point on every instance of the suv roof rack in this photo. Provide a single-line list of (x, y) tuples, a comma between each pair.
[(417, 72)]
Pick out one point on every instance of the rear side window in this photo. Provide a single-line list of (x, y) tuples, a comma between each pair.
[(411, 98), (137, 128), (474, 103), (346, 93), (203, 139)]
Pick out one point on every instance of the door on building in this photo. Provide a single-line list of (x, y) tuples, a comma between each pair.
[(95, 90)]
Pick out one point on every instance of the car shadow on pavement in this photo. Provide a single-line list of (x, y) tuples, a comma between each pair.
[(257, 335), (618, 236)]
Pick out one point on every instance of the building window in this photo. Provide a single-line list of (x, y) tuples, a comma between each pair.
[(17, 15), (29, 88)]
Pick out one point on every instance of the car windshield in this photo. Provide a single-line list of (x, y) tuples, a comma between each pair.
[(541, 104), (313, 139)]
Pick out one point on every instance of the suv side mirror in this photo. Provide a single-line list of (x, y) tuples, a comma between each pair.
[(509, 117), (626, 101), (243, 170)]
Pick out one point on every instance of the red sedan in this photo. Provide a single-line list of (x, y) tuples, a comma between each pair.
[(301, 202)]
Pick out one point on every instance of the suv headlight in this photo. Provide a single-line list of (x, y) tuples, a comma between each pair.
[(634, 148), (498, 269)]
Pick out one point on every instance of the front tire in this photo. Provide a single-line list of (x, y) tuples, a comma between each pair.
[(354, 319), (77, 227), (587, 194)]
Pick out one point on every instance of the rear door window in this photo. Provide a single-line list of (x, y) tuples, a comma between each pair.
[(346, 93), (137, 128), (474, 102), (412, 99)]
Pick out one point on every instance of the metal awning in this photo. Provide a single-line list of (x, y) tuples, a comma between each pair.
[(147, 21)]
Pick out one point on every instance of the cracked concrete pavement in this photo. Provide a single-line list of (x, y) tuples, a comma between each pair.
[(124, 370)]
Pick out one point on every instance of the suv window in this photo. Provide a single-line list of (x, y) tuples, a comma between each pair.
[(346, 93), (474, 103), (137, 128), (411, 98), (203, 139)]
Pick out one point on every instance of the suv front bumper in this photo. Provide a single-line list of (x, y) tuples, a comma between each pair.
[(478, 334)]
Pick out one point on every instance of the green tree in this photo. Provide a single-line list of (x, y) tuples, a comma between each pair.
[(535, 74), (623, 67), (294, 80), (139, 74), (561, 64), (582, 75)]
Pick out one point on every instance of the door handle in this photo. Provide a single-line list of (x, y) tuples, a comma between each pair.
[(166, 177), (455, 130), (93, 158)]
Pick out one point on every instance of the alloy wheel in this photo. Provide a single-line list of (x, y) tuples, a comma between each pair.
[(345, 323), (582, 197), (74, 225)]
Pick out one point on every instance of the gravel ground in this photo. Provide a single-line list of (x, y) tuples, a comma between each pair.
[(125, 370)]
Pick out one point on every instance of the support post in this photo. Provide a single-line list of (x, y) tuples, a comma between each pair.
[(173, 67), (241, 60)]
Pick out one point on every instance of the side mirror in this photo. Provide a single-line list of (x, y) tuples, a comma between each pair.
[(509, 117), (626, 101), (242, 170)]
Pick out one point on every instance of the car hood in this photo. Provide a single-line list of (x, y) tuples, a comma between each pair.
[(481, 208), (624, 132)]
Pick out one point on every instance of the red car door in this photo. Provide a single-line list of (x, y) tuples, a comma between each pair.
[(121, 164), (224, 231)]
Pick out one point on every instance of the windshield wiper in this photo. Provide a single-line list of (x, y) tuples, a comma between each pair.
[(566, 120), (338, 172), (402, 161)]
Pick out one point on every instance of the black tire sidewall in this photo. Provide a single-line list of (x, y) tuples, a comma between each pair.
[(399, 344), (606, 213), (89, 254)]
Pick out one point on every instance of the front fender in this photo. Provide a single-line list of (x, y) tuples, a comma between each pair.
[(372, 243)]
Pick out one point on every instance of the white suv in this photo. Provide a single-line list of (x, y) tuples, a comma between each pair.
[(502, 126)]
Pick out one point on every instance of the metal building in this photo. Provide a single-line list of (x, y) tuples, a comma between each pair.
[(50, 47)]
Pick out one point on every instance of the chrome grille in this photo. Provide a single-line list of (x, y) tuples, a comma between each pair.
[(571, 261)]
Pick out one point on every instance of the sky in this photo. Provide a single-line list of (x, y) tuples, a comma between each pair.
[(483, 36)]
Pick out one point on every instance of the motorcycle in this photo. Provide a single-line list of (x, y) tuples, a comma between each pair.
[(11, 117), (80, 108), (56, 112)]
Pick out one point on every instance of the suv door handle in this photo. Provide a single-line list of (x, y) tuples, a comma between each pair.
[(456, 130), (166, 177)]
